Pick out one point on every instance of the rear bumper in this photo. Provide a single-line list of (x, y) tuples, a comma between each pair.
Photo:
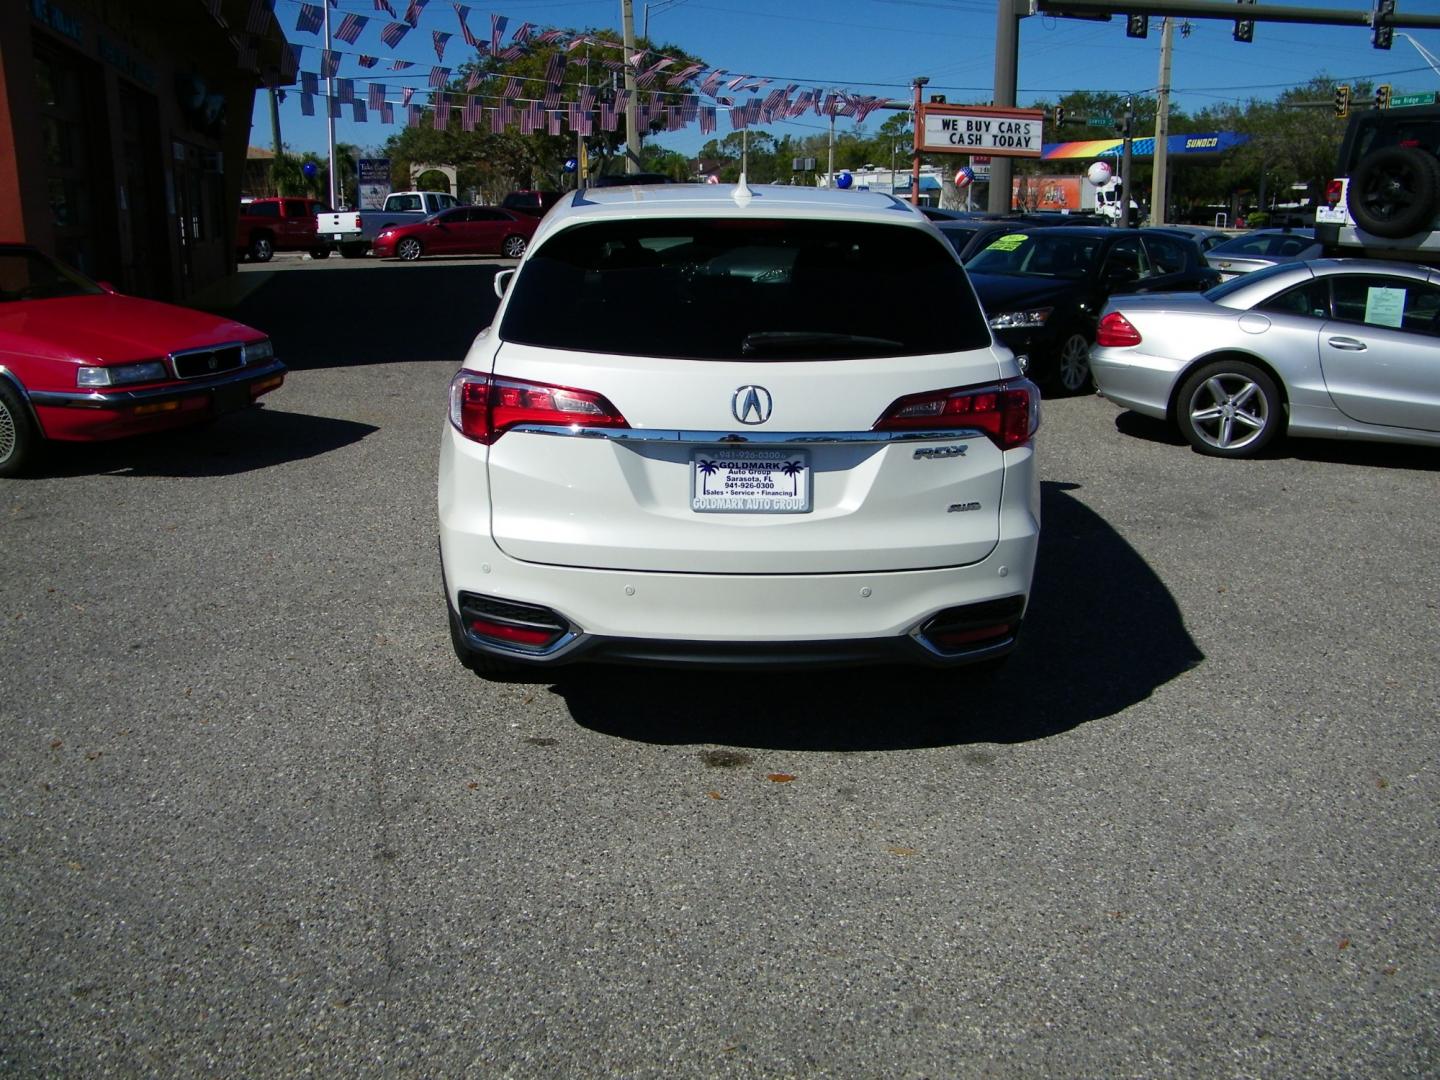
[(77, 416), (1135, 380)]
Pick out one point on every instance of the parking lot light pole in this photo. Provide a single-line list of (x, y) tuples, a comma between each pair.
[(920, 81)]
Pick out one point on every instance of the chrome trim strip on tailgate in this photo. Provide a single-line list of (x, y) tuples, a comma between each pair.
[(767, 438)]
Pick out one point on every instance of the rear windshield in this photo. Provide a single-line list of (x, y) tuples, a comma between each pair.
[(711, 289)]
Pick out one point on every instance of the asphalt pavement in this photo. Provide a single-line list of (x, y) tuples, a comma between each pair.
[(257, 821)]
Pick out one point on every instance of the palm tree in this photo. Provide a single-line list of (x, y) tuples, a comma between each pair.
[(707, 469), (793, 469)]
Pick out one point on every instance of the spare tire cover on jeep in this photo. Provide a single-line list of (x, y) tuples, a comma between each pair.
[(1395, 191)]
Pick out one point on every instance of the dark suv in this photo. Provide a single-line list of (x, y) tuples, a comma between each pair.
[(534, 203), (1385, 199)]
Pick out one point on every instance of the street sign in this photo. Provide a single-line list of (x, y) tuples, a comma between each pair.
[(1399, 101), (1102, 121)]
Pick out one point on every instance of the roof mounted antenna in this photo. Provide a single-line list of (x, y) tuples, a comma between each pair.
[(743, 194)]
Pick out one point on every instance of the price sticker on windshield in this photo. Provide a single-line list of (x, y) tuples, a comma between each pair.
[(1008, 242)]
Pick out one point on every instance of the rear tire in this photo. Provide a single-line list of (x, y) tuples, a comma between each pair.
[(1228, 408), (262, 248), (513, 247), (320, 253), (19, 438), (1393, 192), (354, 250)]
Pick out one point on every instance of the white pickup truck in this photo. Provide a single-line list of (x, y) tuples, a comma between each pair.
[(351, 232)]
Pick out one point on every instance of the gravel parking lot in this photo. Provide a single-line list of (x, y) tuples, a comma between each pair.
[(257, 821)]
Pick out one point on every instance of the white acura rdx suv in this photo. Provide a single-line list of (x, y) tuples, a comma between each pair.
[(723, 425)]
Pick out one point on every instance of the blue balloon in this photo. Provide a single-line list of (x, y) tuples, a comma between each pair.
[(309, 169), (571, 164), (844, 180)]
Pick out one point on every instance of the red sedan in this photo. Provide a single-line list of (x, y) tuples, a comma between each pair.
[(80, 363), (465, 230)]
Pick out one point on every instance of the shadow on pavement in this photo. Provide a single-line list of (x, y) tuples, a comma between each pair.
[(1331, 451), (254, 439), (1102, 633), (322, 317)]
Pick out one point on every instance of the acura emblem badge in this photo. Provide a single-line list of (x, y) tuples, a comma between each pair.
[(751, 404)]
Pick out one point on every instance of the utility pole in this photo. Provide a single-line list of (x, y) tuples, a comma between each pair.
[(830, 160), (275, 132), (330, 116), (920, 82), (1158, 176), (632, 107), (1007, 65), (1125, 160)]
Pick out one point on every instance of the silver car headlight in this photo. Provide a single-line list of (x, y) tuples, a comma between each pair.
[(1014, 320), (120, 374), (259, 350)]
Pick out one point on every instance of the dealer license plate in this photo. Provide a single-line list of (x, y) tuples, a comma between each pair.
[(750, 481), (231, 397), (339, 236)]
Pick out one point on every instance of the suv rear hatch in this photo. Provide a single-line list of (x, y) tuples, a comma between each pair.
[(749, 362)]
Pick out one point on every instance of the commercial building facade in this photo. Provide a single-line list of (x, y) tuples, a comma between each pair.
[(123, 133)]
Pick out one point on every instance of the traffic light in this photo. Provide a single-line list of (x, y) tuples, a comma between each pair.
[(1059, 115), (1122, 125), (1245, 28), (1342, 101), (1383, 33), (1137, 26), (1382, 96)]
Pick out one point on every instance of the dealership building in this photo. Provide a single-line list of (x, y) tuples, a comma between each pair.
[(123, 133)]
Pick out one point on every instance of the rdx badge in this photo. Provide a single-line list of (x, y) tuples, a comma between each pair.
[(940, 451)]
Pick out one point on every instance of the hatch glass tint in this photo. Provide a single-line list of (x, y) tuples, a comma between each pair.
[(755, 290)]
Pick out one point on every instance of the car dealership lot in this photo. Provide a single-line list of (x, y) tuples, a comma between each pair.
[(257, 819)]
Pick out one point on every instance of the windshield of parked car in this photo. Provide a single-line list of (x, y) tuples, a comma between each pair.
[(28, 275), (1042, 253), (1268, 243), (758, 290)]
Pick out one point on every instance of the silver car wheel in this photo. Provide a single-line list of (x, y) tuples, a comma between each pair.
[(514, 247), (1229, 408), (8, 435), (1075, 363), (408, 249)]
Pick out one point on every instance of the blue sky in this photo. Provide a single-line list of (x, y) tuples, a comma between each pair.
[(877, 47)]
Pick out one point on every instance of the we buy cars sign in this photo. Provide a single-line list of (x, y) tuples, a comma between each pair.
[(980, 129)]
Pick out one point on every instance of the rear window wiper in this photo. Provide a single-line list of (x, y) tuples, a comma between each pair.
[(784, 341)]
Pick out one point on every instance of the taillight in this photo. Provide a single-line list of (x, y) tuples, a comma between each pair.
[(357, 221), (1008, 412), (484, 408), (1115, 329)]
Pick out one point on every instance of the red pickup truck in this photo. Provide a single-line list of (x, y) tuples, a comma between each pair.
[(280, 224)]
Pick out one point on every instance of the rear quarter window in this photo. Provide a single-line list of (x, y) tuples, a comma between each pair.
[(753, 289)]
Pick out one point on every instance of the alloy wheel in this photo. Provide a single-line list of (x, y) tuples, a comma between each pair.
[(1075, 363), (409, 249), (1229, 411)]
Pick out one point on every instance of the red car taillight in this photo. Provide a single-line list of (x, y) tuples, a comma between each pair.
[(1115, 329), (357, 221), (484, 408), (1333, 191), (1008, 412)]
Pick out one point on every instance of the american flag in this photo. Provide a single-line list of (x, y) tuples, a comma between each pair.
[(497, 122), (377, 96), (684, 74), (392, 34), (555, 118), (439, 76), (387, 113), (311, 19), (609, 116), (474, 112), (307, 104), (259, 16), (442, 112), (309, 83), (290, 61), (334, 108), (412, 12), (350, 28), (368, 61), (647, 76), (462, 13), (712, 82), (707, 119), (530, 118), (475, 78), (413, 113), (688, 108), (497, 31), (406, 93), (552, 97), (329, 63), (555, 69), (401, 65), (439, 38), (522, 35), (384, 5), (360, 114), (345, 88), (547, 36), (511, 90)]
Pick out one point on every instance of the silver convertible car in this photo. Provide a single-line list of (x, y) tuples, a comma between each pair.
[(1333, 348)]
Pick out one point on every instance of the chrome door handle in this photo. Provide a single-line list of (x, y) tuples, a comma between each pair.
[(1349, 344)]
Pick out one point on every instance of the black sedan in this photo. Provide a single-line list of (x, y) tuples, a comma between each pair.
[(1043, 289)]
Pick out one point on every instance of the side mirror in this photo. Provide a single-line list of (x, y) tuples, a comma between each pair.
[(502, 282)]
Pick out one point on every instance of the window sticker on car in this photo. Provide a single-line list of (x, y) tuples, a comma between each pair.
[(1384, 307), (1008, 242)]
